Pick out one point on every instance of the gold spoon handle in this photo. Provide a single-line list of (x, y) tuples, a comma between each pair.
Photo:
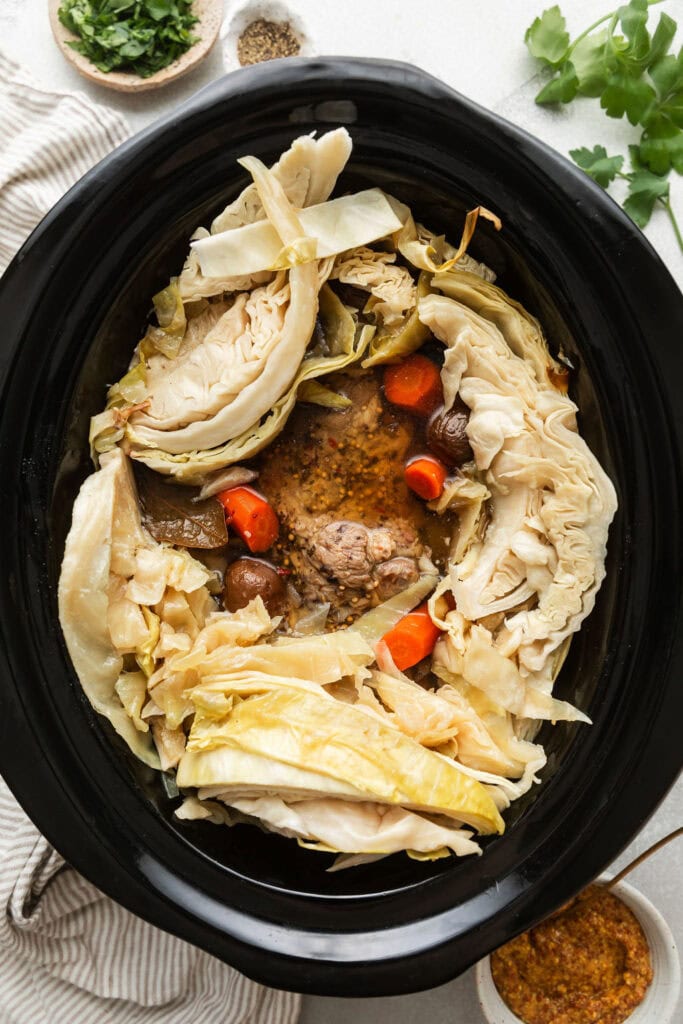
[(643, 856)]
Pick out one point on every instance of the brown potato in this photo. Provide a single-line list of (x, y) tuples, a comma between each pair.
[(447, 434), (248, 578)]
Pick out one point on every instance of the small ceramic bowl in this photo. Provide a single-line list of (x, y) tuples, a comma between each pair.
[(661, 1000), (209, 14)]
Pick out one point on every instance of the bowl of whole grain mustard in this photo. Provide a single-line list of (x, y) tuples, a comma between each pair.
[(607, 957)]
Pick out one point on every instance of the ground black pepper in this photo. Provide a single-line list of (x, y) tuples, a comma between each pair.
[(266, 40)]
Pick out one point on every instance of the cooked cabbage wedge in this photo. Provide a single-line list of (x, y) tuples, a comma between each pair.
[(220, 387), (345, 344), (104, 536), (113, 577), (357, 827), (341, 743), (550, 508)]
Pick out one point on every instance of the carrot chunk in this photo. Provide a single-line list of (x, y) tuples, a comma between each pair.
[(425, 475), (414, 384), (412, 638), (251, 516)]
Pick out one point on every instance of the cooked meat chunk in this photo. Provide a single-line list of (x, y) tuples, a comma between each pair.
[(343, 552), (350, 525), (395, 575), (337, 565), (354, 565)]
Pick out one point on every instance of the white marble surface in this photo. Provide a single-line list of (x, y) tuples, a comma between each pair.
[(477, 47)]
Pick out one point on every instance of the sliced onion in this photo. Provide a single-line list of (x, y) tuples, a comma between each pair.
[(234, 476), (313, 621)]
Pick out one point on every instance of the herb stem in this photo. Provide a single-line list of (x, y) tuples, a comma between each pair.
[(587, 32), (596, 24), (666, 203)]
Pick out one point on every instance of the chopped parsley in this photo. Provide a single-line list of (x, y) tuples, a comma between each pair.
[(138, 36)]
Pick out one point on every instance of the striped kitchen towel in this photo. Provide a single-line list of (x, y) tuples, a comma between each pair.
[(48, 141), (68, 954)]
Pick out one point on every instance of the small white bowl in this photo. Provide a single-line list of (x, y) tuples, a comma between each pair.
[(661, 1000)]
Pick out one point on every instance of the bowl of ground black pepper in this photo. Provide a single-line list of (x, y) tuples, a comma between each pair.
[(266, 40), (607, 957)]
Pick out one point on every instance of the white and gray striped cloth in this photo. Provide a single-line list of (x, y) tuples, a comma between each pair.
[(68, 954)]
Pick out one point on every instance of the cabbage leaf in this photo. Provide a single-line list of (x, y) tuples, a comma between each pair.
[(222, 386), (332, 227), (307, 171), (391, 344), (102, 531), (345, 344), (522, 332), (391, 287), (344, 743), (340, 826), (550, 508), (120, 593)]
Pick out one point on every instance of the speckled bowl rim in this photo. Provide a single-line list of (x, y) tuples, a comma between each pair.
[(661, 1000)]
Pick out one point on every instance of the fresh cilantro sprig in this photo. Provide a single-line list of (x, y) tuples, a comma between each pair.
[(619, 61), (140, 36)]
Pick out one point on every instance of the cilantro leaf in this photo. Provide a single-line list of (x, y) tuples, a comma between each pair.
[(159, 9), (561, 89), (667, 74), (626, 95), (597, 164), (635, 158), (634, 74), (644, 190), (547, 37), (116, 6)]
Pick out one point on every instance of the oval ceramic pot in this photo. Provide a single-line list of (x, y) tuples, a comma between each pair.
[(72, 306)]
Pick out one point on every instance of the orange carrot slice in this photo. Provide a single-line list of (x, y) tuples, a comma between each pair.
[(412, 638), (251, 516), (425, 475), (414, 385)]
